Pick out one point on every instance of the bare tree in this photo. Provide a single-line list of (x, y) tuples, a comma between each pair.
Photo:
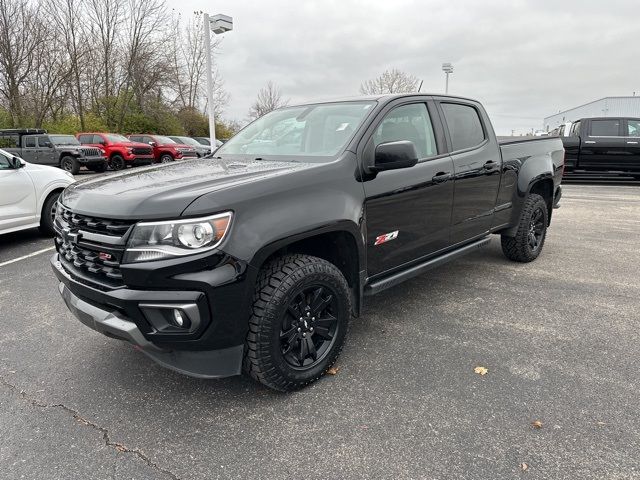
[(391, 81), (269, 99)]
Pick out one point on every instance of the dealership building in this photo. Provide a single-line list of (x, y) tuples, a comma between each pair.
[(605, 107)]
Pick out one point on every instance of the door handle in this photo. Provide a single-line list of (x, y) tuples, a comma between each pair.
[(632, 143), (589, 141), (490, 165), (441, 177)]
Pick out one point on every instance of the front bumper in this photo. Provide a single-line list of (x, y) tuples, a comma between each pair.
[(138, 161), (117, 314), (92, 161)]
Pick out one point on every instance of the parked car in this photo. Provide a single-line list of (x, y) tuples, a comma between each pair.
[(257, 259), (28, 194), (607, 145), (165, 149), (207, 141), (63, 151), (201, 149), (119, 150)]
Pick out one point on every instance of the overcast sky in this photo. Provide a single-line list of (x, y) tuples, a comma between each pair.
[(523, 59)]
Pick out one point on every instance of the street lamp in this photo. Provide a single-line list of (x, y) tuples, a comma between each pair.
[(219, 24), (447, 68)]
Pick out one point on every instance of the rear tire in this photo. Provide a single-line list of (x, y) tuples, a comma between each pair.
[(48, 213), (299, 321), (70, 164), (528, 241), (117, 162)]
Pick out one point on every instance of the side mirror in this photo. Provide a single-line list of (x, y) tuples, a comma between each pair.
[(48, 144), (16, 162), (153, 144), (394, 155)]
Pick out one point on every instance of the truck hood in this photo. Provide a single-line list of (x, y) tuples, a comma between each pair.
[(165, 191)]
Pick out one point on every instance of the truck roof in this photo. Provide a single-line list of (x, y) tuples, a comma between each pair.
[(387, 97)]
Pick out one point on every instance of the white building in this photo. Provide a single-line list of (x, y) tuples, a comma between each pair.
[(605, 107)]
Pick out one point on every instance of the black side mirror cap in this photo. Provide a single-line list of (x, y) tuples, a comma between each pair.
[(395, 155), (16, 163)]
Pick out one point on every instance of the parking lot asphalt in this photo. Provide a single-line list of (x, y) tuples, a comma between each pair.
[(560, 338)]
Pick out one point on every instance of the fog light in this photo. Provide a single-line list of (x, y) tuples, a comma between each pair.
[(178, 318)]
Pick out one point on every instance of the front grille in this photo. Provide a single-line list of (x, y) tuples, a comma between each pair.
[(91, 248), (91, 152), (141, 151)]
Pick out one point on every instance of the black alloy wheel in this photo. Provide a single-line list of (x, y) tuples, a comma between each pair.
[(536, 229), (309, 326)]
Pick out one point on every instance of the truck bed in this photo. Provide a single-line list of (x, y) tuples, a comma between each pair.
[(505, 140)]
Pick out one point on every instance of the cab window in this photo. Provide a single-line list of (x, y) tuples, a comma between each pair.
[(465, 127), (605, 128), (5, 164), (633, 128), (30, 142), (408, 122)]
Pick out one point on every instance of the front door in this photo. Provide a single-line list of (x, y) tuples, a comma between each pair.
[(407, 211), (477, 164), (632, 159), (17, 196), (46, 153)]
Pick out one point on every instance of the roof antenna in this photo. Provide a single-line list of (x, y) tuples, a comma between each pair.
[(420, 87)]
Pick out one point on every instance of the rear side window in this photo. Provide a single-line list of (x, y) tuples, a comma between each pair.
[(464, 125), (605, 128), (30, 142)]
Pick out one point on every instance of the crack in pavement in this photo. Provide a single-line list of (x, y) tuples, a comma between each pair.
[(80, 419)]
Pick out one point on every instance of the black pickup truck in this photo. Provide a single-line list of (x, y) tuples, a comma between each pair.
[(259, 257), (607, 145)]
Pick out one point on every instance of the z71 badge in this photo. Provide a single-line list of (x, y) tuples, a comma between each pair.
[(386, 237)]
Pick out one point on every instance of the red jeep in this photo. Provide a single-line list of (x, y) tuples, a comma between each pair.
[(119, 150), (164, 149)]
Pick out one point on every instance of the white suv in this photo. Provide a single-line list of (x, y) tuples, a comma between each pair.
[(28, 193)]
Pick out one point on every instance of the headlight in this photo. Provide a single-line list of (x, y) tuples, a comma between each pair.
[(161, 240)]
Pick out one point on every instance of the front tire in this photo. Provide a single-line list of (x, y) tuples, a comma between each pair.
[(117, 162), (299, 321), (48, 214), (528, 241), (166, 158), (70, 164)]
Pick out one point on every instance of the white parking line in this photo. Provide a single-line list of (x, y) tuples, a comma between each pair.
[(2, 264)]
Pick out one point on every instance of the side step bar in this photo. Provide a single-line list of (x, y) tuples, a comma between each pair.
[(399, 277)]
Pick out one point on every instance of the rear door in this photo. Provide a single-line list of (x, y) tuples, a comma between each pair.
[(407, 211), (477, 164), (603, 145), (632, 130), (30, 148)]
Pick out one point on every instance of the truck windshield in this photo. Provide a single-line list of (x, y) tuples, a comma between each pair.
[(163, 140), (115, 138), (320, 130), (64, 140)]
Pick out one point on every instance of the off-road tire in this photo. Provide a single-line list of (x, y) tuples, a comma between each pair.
[(277, 285), (518, 248), (46, 216), (117, 162), (70, 164), (165, 158)]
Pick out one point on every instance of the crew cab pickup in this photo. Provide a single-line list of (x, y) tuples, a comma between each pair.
[(607, 145), (64, 151), (258, 258), (119, 150), (164, 148)]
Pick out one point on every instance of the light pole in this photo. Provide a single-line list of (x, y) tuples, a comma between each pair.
[(447, 68), (219, 24)]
